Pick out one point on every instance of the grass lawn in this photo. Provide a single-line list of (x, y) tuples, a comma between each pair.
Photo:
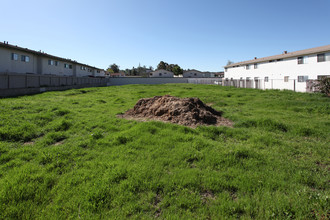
[(66, 155)]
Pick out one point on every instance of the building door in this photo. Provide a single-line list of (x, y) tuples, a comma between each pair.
[(256, 83)]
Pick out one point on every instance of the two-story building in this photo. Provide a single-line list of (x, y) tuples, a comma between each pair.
[(289, 70), (14, 59), (161, 73)]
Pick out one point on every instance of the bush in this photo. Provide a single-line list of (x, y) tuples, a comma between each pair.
[(323, 85)]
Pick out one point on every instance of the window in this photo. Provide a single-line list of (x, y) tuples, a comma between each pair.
[(255, 66), (266, 78), (247, 67), (300, 60), (57, 63), (160, 74), (70, 66), (226, 69), (302, 78), (286, 79), (14, 56), (25, 58), (98, 71), (321, 57), (66, 66), (51, 62)]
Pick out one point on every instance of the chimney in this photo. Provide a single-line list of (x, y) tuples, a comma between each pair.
[(255, 58), (285, 52)]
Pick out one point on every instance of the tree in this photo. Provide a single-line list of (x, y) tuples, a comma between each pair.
[(177, 70), (133, 71), (115, 68), (109, 70), (162, 65), (229, 62)]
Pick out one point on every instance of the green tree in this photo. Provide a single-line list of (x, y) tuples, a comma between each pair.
[(162, 65), (114, 67), (177, 70)]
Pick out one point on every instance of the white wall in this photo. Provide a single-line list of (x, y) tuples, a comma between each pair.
[(55, 70), (276, 71), (83, 72), (18, 66), (193, 74), (161, 73)]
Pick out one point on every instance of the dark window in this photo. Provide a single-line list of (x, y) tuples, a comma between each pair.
[(14, 56), (302, 78), (255, 66), (300, 60), (57, 63), (25, 58), (286, 79), (321, 57), (266, 78), (247, 67), (66, 66), (70, 66), (50, 62)]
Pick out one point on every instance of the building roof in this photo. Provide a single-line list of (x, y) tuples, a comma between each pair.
[(284, 55), (193, 70), (161, 70), (39, 53)]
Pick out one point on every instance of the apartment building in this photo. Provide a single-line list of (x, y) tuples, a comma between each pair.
[(161, 73), (14, 59), (289, 70)]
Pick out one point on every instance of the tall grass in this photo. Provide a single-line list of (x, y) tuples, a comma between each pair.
[(67, 155)]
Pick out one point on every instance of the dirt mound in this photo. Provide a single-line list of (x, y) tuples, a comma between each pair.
[(184, 111)]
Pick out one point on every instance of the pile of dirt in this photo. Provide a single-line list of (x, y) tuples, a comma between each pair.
[(184, 111)]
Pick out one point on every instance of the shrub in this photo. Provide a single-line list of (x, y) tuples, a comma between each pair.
[(323, 85)]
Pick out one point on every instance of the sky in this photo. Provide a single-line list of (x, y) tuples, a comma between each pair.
[(195, 34)]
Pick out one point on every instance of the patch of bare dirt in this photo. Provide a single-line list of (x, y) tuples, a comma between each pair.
[(190, 112), (207, 196)]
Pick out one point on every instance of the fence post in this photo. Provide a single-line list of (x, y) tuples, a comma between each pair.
[(294, 85)]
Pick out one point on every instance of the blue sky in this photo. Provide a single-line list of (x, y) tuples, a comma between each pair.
[(196, 34)]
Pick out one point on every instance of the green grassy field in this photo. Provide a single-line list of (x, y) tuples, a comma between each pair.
[(66, 155)]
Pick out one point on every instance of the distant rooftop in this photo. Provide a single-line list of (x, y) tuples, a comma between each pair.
[(284, 55)]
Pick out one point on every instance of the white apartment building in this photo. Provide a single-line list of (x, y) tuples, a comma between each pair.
[(14, 59), (289, 70)]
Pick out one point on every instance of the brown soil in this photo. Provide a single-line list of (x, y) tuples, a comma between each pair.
[(184, 111)]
